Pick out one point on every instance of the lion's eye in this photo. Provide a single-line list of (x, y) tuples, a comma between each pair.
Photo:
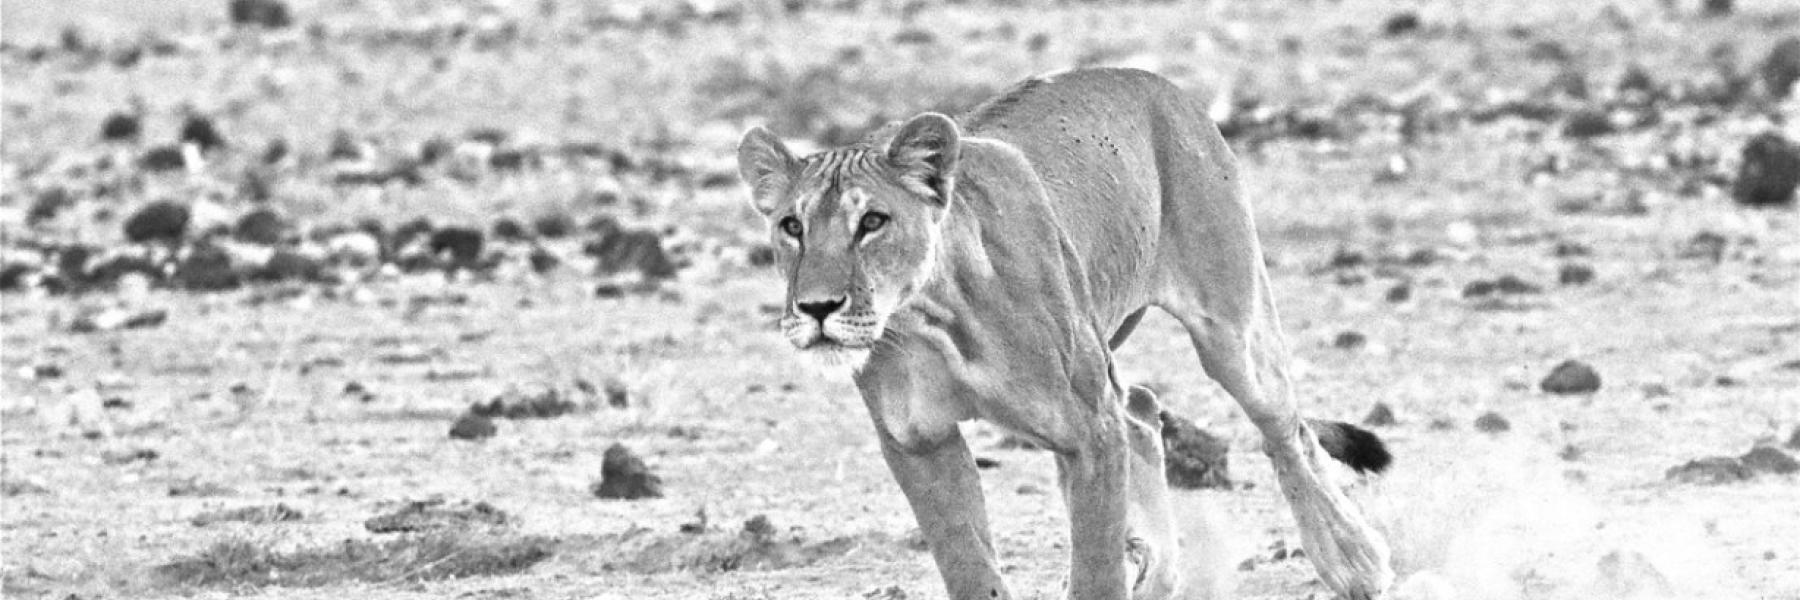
[(792, 227), (873, 221)]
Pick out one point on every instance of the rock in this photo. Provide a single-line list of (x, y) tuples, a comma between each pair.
[(617, 395), (472, 426), (1194, 459), (1350, 340), (624, 476), (1793, 442), (509, 229), (199, 130), (206, 267), (122, 127), (1492, 422), (542, 260), (1571, 377), (546, 403), (262, 226), (1381, 415), (554, 225), (1716, 8), (1705, 244), (1588, 123), (437, 515), (461, 243), (1630, 574), (1769, 172), (1503, 285), (1401, 23), (1782, 67), (275, 151), (1399, 292), (125, 457), (162, 158), (288, 265), (625, 250), (267, 14), (1346, 258), (1574, 274), (983, 462), (1768, 459), (159, 221), (1710, 471)]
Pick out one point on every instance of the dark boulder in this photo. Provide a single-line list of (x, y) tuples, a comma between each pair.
[(1769, 172), (624, 476), (159, 221)]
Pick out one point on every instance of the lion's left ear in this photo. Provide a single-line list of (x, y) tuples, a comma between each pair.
[(925, 152)]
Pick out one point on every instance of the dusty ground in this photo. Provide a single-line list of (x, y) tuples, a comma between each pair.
[(246, 390)]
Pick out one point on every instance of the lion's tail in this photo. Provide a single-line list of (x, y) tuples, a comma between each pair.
[(1352, 445)]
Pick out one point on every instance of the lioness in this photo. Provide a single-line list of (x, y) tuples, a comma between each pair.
[(988, 270)]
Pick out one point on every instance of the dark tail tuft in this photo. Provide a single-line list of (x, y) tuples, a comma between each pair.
[(1352, 445)]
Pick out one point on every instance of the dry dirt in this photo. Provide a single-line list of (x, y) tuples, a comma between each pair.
[(239, 399)]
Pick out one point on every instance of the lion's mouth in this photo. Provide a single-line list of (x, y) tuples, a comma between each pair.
[(825, 343)]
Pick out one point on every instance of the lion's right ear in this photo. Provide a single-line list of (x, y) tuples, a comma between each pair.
[(766, 165)]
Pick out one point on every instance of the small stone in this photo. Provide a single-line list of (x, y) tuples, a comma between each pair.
[(1571, 452), (624, 476), (1402, 23), (1710, 471), (261, 226), (1492, 422), (1575, 274), (472, 426), (1716, 8), (617, 395), (1768, 459), (1193, 458), (1571, 377), (1588, 123), (159, 221), (1769, 172), (759, 528), (267, 14), (509, 229), (554, 225), (983, 462), (1401, 292), (1782, 67), (1793, 442), (1350, 340), (1381, 415), (461, 244)]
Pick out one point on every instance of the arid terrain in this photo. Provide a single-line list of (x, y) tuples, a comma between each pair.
[(256, 273)]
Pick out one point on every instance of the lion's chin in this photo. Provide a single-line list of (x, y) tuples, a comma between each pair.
[(836, 359)]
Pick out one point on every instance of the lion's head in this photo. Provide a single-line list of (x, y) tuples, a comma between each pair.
[(856, 230)]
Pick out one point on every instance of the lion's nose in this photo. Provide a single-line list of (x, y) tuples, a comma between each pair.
[(820, 310)]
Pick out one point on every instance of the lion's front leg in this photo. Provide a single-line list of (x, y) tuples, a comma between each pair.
[(941, 483), (1093, 472)]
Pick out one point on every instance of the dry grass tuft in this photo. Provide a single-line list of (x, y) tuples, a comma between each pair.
[(241, 563)]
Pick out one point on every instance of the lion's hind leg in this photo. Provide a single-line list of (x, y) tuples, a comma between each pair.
[(1249, 359)]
